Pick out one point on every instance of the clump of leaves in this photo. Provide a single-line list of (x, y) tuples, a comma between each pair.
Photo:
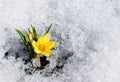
[(28, 37)]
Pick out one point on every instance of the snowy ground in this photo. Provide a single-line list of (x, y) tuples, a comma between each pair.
[(90, 29)]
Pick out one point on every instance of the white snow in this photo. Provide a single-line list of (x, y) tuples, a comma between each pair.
[(88, 28)]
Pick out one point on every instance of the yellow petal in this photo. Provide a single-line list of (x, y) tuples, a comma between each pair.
[(40, 40), (37, 50), (47, 37), (47, 53), (34, 44), (50, 45), (43, 39)]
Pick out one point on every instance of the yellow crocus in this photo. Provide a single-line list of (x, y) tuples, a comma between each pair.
[(43, 45)]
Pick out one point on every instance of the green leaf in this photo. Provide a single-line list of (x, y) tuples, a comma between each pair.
[(29, 30), (28, 44), (30, 50), (21, 35), (34, 33), (48, 29)]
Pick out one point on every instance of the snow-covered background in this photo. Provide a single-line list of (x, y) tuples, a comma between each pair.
[(90, 29)]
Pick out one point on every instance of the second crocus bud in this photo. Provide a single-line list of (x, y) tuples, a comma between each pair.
[(31, 36)]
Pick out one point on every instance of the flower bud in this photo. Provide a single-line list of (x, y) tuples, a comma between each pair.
[(31, 36)]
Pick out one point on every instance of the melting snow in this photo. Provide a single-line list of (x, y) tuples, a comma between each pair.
[(88, 31)]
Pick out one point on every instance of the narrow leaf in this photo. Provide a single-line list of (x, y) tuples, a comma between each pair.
[(48, 29), (29, 30), (21, 35), (34, 33), (30, 50)]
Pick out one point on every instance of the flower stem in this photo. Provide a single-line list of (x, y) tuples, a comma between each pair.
[(38, 62)]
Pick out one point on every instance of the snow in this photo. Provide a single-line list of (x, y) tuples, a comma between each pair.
[(87, 29)]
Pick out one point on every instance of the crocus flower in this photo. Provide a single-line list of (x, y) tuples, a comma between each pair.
[(43, 46)]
